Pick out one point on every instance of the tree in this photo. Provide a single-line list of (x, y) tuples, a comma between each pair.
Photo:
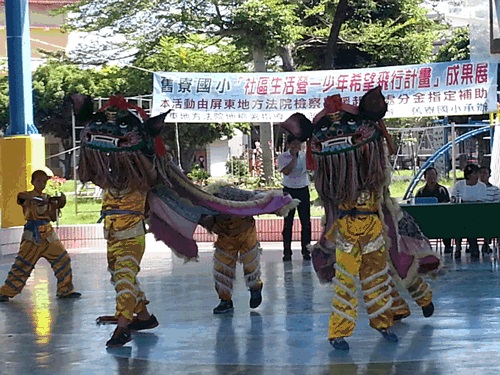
[(457, 47), (264, 28), (366, 33)]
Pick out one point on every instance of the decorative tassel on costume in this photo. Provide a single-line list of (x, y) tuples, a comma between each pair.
[(310, 165)]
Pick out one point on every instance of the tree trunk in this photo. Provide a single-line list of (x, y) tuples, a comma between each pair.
[(265, 128), (338, 20), (287, 58), (187, 155)]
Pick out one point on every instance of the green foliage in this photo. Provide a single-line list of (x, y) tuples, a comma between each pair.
[(238, 168), (198, 175), (375, 33), (457, 48)]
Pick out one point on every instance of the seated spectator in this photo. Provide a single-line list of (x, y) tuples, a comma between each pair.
[(470, 189), (492, 195), (433, 189)]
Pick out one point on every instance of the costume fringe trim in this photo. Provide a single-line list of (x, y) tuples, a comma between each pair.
[(373, 277), (343, 314), (378, 298), (382, 310), (344, 288), (344, 301), (378, 286)]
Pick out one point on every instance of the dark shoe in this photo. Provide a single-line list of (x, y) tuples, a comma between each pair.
[(139, 325), (448, 250), (398, 317), (428, 310), (306, 256), (287, 258), (120, 337), (4, 298), (71, 295), (388, 334), (224, 307), (255, 297), (458, 254), (475, 255), (339, 344)]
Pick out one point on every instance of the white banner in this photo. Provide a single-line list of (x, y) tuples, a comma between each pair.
[(440, 89)]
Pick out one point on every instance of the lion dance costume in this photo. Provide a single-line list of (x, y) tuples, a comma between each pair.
[(236, 241), (122, 151), (346, 148)]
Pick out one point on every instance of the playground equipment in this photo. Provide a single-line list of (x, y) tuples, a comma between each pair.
[(443, 151)]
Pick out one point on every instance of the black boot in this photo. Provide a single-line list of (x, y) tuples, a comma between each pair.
[(224, 307)]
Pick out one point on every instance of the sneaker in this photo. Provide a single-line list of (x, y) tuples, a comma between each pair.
[(70, 296), (428, 310), (388, 334), (224, 307), (306, 256), (139, 325), (4, 298), (255, 297), (287, 258), (339, 344), (120, 337)]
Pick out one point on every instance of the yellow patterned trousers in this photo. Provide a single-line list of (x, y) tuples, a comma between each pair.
[(420, 291), (29, 254), (228, 251), (124, 259), (372, 270)]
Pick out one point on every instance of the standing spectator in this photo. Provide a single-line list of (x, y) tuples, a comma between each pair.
[(492, 195), (433, 189), (470, 189), (292, 164)]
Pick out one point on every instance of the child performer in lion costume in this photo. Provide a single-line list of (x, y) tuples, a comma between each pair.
[(347, 151)]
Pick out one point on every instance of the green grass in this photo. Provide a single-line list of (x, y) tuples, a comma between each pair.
[(88, 209)]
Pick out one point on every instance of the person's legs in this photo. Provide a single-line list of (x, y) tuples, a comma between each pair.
[(250, 258), (20, 271), (375, 283), (421, 292), (224, 274), (458, 248), (345, 301), (287, 230), (124, 258), (474, 248), (447, 245), (399, 307), (304, 210), (60, 262)]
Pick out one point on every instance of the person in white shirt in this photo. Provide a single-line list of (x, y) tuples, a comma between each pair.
[(492, 196), (292, 164), (469, 190)]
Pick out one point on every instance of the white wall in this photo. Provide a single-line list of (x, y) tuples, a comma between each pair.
[(219, 152)]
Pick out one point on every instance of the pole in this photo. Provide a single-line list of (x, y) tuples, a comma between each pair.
[(73, 134), (453, 156), (178, 145), (19, 65)]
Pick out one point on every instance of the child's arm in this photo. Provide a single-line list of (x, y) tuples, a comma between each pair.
[(23, 197)]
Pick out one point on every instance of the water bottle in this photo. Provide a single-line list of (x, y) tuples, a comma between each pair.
[(459, 198)]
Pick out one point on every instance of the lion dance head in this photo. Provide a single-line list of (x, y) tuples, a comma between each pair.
[(120, 145)]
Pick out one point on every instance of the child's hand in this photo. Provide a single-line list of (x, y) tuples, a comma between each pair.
[(40, 200)]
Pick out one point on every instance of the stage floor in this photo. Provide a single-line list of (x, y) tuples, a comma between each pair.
[(285, 335)]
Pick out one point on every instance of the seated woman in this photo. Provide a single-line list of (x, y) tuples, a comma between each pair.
[(470, 189)]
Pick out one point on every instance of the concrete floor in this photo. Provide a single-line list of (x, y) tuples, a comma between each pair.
[(285, 335)]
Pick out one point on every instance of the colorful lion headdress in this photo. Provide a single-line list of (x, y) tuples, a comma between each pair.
[(345, 145), (120, 145)]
